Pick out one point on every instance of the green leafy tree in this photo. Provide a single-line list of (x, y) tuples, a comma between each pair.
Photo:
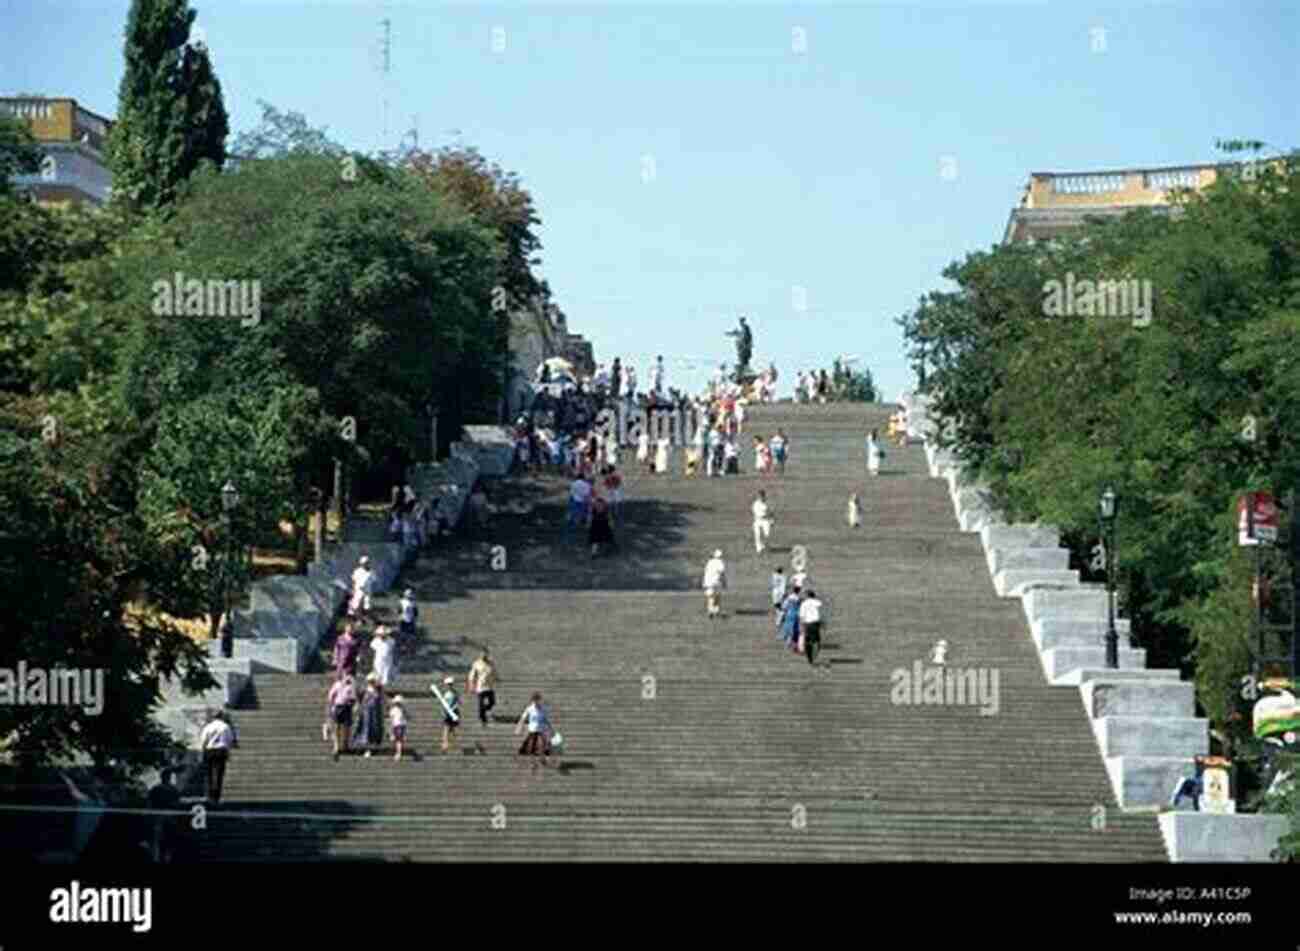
[(857, 386), (19, 153), (1052, 406), (74, 557), (171, 116), (282, 134)]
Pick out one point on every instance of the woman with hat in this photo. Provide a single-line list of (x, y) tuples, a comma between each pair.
[(384, 649), (370, 724)]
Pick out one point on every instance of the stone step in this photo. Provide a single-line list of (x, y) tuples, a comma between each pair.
[(1152, 736), (1027, 535), (1052, 632), (1060, 661), (1014, 582), (1147, 782), (1203, 837), (1083, 675), (1049, 559), (1156, 698), (1083, 603)]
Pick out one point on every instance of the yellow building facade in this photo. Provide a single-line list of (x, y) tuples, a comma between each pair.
[(1056, 202), (74, 170)]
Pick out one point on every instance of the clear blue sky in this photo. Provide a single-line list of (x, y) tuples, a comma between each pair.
[(769, 169)]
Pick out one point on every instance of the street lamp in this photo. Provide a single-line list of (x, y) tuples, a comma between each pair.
[(1109, 503), (229, 499)]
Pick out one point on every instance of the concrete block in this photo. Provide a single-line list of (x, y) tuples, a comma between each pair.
[(184, 722), (1048, 559), (1152, 736), (1204, 837), (1053, 632), (269, 653), (1059, 661), (1146, 782), (233, 677), (976, 519), (1014, 582), (1138, 698), (1024, 535), (1083, 675), (1083, 603)]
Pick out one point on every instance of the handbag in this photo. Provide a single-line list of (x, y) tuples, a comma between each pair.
[(325, 731)]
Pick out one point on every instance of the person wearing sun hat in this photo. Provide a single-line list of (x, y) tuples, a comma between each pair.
[(410, 611), (715, 581), (397, 719), (450, 703), (363, 583)]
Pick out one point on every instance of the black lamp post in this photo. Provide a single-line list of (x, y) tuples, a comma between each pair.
[(1109, 503), (229, 499)]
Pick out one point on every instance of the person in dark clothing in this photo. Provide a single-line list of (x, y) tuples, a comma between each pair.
[(1190, 787), (599, 532), (369, 730), (164, 798)]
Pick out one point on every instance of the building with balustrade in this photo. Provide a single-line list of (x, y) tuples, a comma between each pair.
[(1057, 202), (74, 170)]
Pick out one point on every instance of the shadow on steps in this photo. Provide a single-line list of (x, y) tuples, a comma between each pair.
[(294, 830)]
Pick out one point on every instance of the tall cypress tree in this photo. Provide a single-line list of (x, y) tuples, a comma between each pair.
[(205, 122), (170, 114)]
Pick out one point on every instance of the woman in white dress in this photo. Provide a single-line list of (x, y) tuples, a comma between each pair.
[(874, 453), (383, 647), (661, 456), (643, 449)]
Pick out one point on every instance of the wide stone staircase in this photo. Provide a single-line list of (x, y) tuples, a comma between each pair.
[(695, 740)]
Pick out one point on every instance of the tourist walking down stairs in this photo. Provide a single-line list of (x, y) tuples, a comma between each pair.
[(715, 582)]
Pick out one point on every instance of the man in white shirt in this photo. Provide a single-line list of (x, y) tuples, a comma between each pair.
[(810, 623), (216, 742), (715, 580), (762, 521)]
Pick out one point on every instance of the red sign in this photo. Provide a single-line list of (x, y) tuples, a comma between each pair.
[(1257, 519)]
